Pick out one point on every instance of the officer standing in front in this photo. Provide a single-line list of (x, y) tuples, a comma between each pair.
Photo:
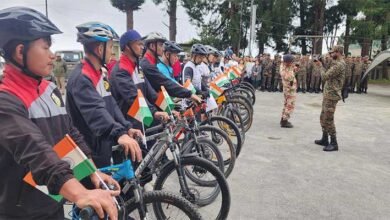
[(334, 79)]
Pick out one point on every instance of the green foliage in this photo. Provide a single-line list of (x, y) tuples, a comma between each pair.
[(125, 5)]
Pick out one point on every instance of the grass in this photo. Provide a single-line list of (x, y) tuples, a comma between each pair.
[(380, 82)]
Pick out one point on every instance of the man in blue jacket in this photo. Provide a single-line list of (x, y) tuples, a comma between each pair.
[(89, 101), (154, 48)]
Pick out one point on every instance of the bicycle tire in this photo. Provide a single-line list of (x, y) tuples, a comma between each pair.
[(218, 137), (188, 148), (247, 116), (157, 197), (231, 128), (220, 179)]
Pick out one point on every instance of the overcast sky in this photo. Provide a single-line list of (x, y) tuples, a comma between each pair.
[(66, 14)]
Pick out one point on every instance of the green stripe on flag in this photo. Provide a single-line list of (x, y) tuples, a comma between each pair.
[(83, 170)]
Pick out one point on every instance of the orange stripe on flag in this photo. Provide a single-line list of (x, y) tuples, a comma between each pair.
[(65, 146), (29, 179), (135, 106), (160, 97)]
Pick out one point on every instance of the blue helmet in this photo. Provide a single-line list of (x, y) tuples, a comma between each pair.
[(95, 32), (129, 36)]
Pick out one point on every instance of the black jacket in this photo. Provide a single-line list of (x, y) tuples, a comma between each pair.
[(125, 81), (95, 112), (33, 119)]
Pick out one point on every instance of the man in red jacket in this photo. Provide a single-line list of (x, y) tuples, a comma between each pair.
[(34, 119)]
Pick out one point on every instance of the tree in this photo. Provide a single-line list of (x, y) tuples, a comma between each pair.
[(318, 24), (128, 6), (171, 9)]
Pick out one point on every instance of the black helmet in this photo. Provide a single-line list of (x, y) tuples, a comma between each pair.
[(198, 49), (25, 24), (171, 46)]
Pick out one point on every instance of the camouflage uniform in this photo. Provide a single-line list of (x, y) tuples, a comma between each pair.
[(301, 75), (278, 79), (348, 72), (289, 91), (267, 70), (357, 72), (309, 71), (318, 70), (334, 80), (364, 85)]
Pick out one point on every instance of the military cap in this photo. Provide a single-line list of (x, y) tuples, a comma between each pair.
[(337, 48), (288, 58)]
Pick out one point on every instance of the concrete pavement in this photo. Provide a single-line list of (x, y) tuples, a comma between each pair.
[(282, 174)]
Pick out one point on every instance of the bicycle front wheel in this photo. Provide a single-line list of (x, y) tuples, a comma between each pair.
[(161, 205)]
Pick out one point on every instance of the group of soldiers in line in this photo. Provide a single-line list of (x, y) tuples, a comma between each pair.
[(309, 73)]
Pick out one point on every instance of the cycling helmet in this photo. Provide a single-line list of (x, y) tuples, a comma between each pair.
[(26, 24), (198, 49), (95, 32), (171, 46), (154, 37), (212, 50), (129, 36)]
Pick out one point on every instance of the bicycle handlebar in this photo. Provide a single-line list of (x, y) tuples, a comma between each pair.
[(88, 213)]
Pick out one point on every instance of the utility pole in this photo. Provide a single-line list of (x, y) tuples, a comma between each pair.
[(239, 31), (47, 14), (253, 24)]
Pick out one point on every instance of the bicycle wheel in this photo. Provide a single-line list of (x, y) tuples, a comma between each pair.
[(163, 205), (206, 149), (242, 98), (243, 110), (236, 135), (213, 200), (224, 144), (248, 93)]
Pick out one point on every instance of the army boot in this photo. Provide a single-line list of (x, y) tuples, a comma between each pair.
[(333, 144), (324, 141), (285, 124)]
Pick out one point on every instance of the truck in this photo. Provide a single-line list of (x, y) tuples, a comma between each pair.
[(71, 58)]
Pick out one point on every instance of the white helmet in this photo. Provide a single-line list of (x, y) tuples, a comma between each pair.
[(154, 37)]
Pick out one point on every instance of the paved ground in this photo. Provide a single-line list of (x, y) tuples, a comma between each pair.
[(282, 174)]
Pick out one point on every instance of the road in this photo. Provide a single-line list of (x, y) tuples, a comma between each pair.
[(282, 174)]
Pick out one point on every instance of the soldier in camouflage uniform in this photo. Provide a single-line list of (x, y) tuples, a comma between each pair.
[(287, 72), (278, 85), (356, 75), (348, 72), (366, 64), (301, 75), (317, 71), (309, 71), (334, 80), (267, 73)]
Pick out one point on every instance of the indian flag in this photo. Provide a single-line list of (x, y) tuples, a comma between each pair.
[(68, 151), (221, 80), (140, 110), (233, 72), (188, 85), (164, 101), (215, 90)]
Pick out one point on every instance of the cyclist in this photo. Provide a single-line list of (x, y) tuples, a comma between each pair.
[(34, 119), (198, 53), (154, 48), (213, 56), (169, 58), (93, 110), (125, 78)]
